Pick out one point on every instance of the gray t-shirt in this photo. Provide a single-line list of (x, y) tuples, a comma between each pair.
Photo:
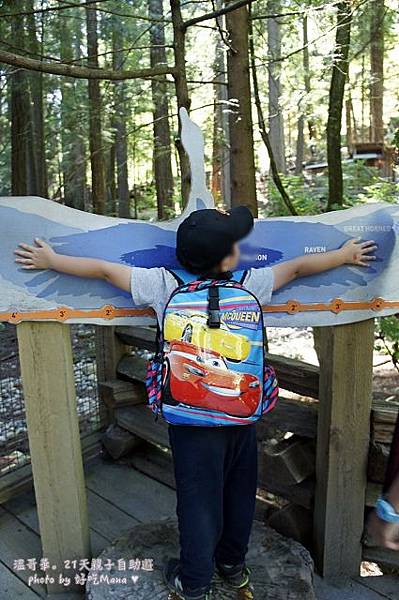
[(153, 287)]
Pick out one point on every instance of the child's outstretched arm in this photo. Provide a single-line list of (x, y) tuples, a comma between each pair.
[(42, 256), (353, 252)]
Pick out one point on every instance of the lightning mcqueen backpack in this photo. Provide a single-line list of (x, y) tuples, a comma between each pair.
[(210, 367)]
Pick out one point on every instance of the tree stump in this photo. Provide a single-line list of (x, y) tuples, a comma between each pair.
[(281, 568)]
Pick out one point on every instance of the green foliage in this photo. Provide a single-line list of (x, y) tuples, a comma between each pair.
[(307, 199), (387, 337), (362, 184)]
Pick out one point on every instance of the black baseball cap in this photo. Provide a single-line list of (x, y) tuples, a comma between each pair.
[(207, 236)]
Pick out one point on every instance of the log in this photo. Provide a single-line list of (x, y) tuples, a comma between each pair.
[(294, 522), (378, 462), (290, 415), (292, 460), (295, 375), (118, 393), (140, 421), (383, 419), (118, 442), (280, 567)]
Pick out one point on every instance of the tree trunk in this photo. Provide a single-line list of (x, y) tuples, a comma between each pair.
[(95, 106), (377, 13), (183, 100), (349, 128), (220, 148), (38, 152), (263, 131), (305, 107), (119, 124), (300, 145), (19, 105), (306, 70), (276, 121), (242, 161), (335, 106), (73, 149), (159, 89), (111, 179)]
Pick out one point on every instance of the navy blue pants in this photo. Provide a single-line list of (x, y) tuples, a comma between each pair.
[(216, 478)]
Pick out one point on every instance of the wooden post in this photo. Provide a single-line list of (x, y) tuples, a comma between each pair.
[(346, 353), (109, 351), (45, 352)]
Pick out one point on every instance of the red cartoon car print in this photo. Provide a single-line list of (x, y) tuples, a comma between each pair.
[(200, 378)]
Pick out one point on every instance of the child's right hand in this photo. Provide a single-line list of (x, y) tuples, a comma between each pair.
[(39, 256)]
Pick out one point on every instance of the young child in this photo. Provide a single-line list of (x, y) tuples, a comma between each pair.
[(215, 467)]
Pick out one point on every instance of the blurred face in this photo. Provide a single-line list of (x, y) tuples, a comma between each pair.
[(230, 262)]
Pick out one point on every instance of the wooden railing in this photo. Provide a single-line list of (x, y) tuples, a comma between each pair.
[(321, 469)]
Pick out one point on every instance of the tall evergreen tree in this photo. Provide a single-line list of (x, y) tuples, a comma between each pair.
[(377, 13), (162, 148), (95, 112), (276, 120), (242, 160), (335, 105)]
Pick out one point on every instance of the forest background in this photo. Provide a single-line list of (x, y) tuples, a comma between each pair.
[(287, 93)]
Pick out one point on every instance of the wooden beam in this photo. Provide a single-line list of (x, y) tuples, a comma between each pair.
[(294, 375), (142, 337), (45, 352), (381, 555), (140, 421), (342, 446), (109, 350), (288, 415), (132, 368)]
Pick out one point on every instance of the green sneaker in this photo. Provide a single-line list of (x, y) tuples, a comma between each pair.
[(236, 576), (172, 579)]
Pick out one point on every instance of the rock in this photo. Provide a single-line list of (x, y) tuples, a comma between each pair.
[(118, 441), (293, 521), (281, 568)]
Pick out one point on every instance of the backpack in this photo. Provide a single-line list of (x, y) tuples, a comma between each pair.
[(210, 366)]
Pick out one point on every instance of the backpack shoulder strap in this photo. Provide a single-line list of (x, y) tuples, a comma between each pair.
[(178, 279), (240, 275), (182, 277)]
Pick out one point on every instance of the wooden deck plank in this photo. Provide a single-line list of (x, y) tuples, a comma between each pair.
[(347, 589), (24, 509), (18, 541), (13, 588), (131, 491), (106, 520), (386, 585)]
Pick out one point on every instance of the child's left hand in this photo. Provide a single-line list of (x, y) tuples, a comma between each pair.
[(358, 253)]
